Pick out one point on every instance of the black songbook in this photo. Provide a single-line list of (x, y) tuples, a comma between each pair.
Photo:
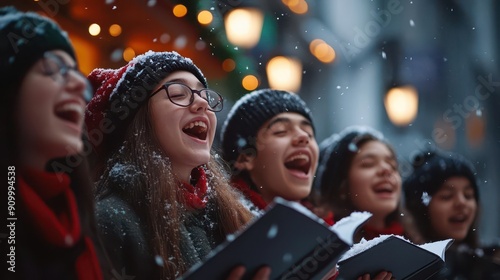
[(288, 238), (405, 260)]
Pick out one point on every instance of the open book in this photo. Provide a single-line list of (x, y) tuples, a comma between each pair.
[(394, 254), (290, 239)]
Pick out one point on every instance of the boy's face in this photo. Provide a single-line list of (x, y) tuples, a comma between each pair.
[(286, 159)]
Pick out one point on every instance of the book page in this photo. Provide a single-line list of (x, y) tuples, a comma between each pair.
[(393, 253), (438, 247), (346, 227)]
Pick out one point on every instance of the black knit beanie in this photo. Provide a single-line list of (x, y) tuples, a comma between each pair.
[(24, 37), (250, 112), (431, 169), (335, 156), (120, 93)]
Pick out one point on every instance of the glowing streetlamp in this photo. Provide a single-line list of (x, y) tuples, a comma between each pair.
[(284, 73), (401, 104), (244, 26)]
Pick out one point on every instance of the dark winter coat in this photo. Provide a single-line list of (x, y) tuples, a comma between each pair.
[(464, 263), (126, 239), (38, 260)]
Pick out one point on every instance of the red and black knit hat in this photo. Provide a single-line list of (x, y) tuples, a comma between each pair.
[(119, 93)]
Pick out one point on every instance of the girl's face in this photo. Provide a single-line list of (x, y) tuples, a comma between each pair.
[(453, 208), (51, 110), (185, 134), (286, 160), (374, 181)]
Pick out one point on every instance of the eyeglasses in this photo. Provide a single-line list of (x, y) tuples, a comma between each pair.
[(55, 67), (182, 95)]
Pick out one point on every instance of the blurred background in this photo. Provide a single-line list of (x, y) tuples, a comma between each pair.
[(425, 73)]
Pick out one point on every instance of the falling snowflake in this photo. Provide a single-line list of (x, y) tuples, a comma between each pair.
[(426, 198)]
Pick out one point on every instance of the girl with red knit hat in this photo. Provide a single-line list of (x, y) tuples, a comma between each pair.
[(50, 207), (164, 203)]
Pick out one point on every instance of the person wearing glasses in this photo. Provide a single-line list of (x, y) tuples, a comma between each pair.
[(50, 223), (164, 203)]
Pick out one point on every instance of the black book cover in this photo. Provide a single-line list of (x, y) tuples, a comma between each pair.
[(287, 237), (402, 258)]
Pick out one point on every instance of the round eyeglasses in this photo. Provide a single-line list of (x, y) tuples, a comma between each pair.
[(182, 95), (55, 67)]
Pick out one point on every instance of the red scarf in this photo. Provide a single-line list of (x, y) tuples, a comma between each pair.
[(394, 228), (253, 196), (327, 217), (196, 196), (60, 228)]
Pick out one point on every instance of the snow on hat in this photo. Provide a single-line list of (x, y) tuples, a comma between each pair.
[(335, 156), (120, 93), (431, 168), (250, 112), (25, 36)]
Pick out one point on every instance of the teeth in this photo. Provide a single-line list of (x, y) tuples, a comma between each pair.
[(67, 107), (196, 123), (298, 156)]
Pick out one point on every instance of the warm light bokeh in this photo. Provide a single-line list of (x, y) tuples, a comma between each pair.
[(94, 29), (179, 10), (401, 104), (205, 17), (244, 26), (115, 30), (284, 73), (228, 65), (250, 82)]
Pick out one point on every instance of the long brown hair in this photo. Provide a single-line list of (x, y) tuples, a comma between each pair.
[(154, 193)]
